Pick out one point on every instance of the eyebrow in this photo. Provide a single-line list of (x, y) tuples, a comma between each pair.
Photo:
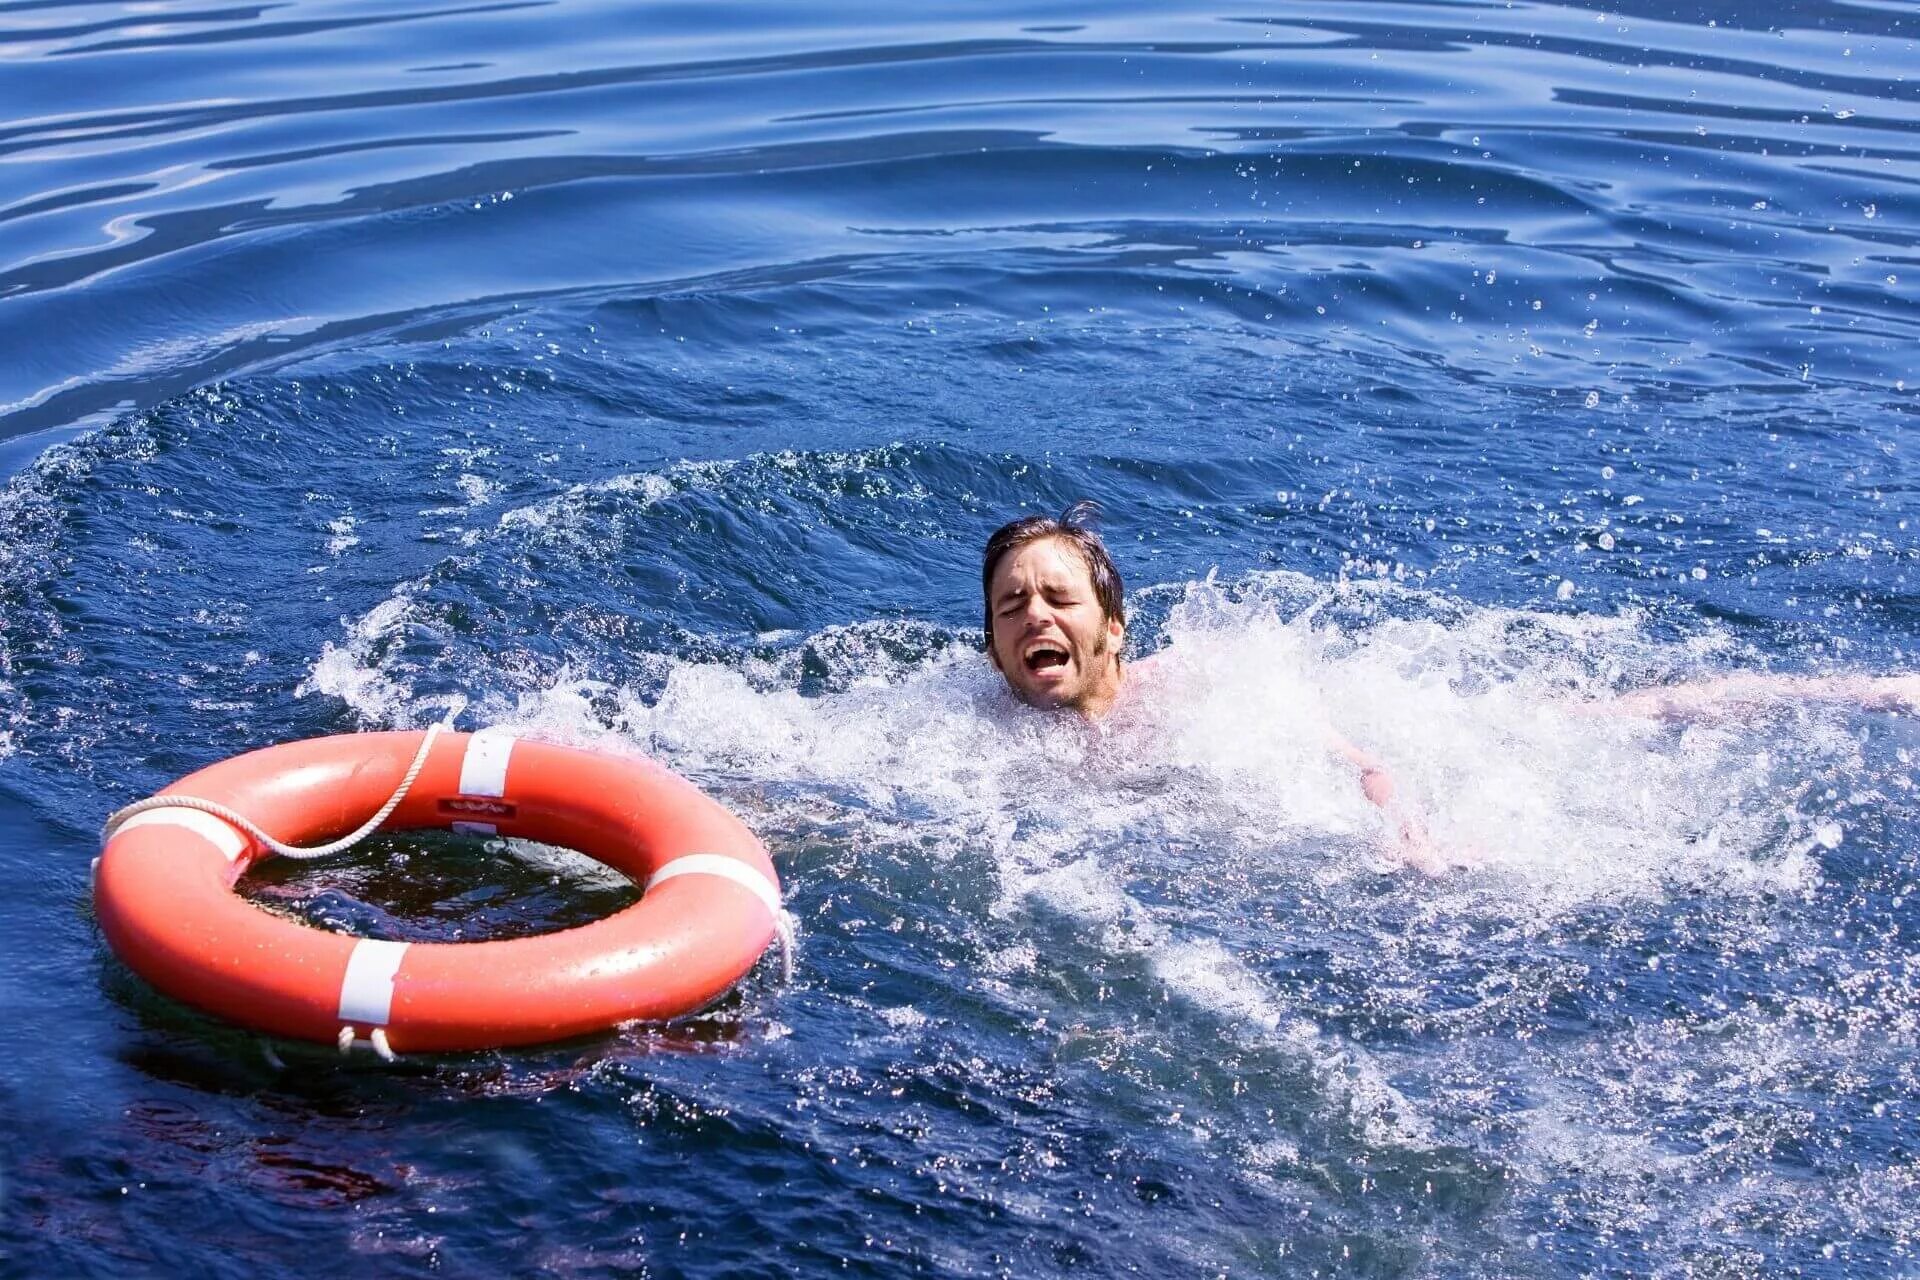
[(1046, 588)]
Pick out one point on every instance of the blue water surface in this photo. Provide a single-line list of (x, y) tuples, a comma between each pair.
[(649, 376)]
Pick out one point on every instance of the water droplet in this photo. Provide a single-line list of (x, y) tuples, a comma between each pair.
[(1565, 590), (1699, 573), (1606, 541), (1593, 399)]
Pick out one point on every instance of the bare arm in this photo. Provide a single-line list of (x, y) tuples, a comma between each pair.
[(1375, 781), (1735, 695), (1410, 841)]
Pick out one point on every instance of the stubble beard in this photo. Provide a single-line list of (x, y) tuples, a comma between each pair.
[(1096, 663), (1093, 674)]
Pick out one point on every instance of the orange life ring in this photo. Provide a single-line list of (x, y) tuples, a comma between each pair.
[(164, 896)]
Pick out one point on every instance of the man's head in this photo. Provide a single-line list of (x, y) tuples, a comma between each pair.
[(1054, 616)]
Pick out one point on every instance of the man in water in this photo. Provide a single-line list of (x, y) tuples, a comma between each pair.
[(1055, 620), (1055, 624)]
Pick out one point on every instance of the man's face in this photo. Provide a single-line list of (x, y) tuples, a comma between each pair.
[(1050, 639)]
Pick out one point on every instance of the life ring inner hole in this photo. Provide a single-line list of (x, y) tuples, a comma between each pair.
[(436, 886)]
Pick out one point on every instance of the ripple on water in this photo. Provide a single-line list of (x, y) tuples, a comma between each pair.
[(650, 385)]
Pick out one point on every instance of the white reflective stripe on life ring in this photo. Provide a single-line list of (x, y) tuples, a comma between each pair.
[(222, 835), (483, 770), (714, 864), (366, 993)]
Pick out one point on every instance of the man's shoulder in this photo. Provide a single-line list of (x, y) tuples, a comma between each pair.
[(1146, 671)]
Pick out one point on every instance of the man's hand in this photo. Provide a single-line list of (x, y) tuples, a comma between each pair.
[(1410, 843), (1893, 693), (1725, 697), (1406, 835)]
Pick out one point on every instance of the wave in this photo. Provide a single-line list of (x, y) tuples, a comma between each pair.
[(1336, 177)]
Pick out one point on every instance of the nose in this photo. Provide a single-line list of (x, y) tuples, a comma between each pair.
[(1036, 614)]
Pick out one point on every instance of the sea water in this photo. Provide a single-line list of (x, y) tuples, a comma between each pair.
[(648, 378)]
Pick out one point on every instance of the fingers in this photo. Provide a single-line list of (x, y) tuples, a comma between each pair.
[(1411, 845), (1904, 694)]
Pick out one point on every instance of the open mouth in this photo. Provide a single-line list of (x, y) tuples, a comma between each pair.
[(1045, 657)]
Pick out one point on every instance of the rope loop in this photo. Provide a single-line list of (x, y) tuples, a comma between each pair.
[(246, 824), (783, 928)]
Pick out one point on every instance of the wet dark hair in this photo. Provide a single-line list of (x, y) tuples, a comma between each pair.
[(1074, 527)]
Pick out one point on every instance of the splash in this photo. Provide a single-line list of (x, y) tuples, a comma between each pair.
[(38, 507), (1493, 721), (1199, 867)]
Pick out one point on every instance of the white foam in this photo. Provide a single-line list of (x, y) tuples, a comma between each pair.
[(35, 508), (1485, 719), (1213, 788), (903, 1018), (1482, 716), (561, 866), (1206, 975), (476, 489), (352, 670), (569, 515), (579, 516), (342, 534)]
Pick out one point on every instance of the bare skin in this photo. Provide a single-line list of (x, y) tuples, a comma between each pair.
[(1051, 639), (1738, 694), (1057, 649)]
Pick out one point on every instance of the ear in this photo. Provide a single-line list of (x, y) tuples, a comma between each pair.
[(1116, 632)]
